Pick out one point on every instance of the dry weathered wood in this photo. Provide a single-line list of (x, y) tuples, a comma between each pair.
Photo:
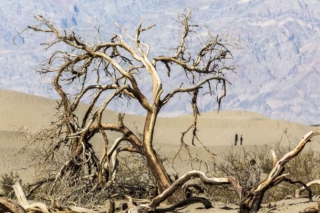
[(274, 157), (187, 191), (20, 194), (82, 210), (8, 205), (109, 206), (178, 183), (121, 63), (123, 206), (312, 209), (303, 184), (299, 190), (73, 210), (252, 201), (184, 203), (132, 208), (41, 207)]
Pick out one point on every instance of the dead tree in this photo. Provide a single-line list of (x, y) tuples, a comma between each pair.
[(251, 202), (117, 66)]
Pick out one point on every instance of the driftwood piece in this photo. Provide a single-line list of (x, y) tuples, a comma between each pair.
[(82, 210), (132, 208), (178, 183), (8, 205), (41, 207), (20, 194), (312, 209), (36, 207), (184, 203)]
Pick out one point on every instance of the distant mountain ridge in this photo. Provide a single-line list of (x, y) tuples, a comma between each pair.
[(278, 66)]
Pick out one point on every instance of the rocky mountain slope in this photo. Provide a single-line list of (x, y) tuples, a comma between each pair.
[(278, 67)]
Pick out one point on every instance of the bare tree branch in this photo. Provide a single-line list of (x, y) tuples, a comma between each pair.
[(178, 183), (306, 187)]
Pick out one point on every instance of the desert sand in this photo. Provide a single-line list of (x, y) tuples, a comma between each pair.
[(216, 130)]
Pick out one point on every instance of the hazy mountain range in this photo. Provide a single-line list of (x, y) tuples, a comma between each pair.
[(278, 67)]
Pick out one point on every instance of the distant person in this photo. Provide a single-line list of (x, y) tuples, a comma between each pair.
[(236, 139), (241, 139)]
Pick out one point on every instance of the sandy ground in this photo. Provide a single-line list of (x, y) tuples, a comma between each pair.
[(285, 206), (216, 130)]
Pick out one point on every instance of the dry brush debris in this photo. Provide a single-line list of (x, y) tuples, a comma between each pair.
[(118, 66), (67, 159)]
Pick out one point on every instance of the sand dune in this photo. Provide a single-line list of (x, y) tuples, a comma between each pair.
[(216, 130)]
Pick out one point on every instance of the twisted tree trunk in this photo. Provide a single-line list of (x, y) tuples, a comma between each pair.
[(252, 202), (162, 178), (154, 163)]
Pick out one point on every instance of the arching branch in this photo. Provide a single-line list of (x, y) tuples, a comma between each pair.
[(178, 183), (252, 201), (189, 89), (306, 187)]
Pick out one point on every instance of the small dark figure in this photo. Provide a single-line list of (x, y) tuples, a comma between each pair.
[(236, 139), (241, 139)]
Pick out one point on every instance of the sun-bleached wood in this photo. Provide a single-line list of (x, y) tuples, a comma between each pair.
[(122, 63), (252, 201)]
